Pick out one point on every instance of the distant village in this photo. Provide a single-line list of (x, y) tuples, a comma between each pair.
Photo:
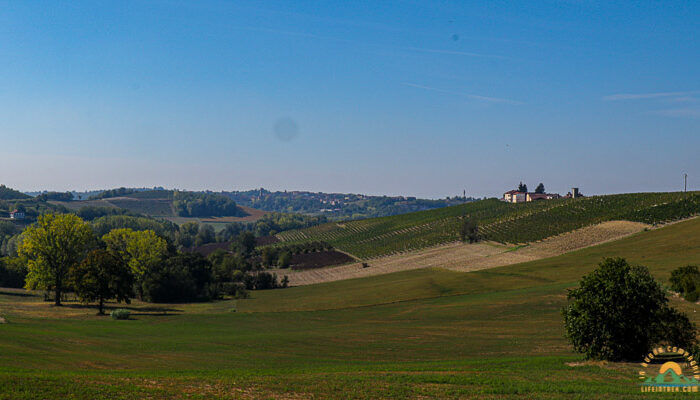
[(522, 195)]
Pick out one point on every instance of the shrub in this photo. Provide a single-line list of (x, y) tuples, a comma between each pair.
[(619, 312), (120, 313), (261, 281), (686, 281), (693, 296), (235, 289)]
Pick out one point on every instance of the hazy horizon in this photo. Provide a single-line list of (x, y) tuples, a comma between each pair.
[(414, 99)]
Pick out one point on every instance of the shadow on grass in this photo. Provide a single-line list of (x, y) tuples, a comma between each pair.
[(135, 310), (18, 293)]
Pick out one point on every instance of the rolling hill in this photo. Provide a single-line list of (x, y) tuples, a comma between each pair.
[(498, 221), (178, 207), (428, 333)]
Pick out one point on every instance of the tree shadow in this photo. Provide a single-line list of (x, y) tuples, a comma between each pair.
[(135, 310), (152, 311), (17, 294)]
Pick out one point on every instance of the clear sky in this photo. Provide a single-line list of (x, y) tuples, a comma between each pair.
[(423, 98)]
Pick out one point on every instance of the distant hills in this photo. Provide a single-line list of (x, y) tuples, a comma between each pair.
[(7, 193), (338, 206), (334, 206)]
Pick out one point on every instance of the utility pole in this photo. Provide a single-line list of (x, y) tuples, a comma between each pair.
[(685, 183)]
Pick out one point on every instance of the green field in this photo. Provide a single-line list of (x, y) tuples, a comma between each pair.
[(497, 220), (153, 207), (420, 334)]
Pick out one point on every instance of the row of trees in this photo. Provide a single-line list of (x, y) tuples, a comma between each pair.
[(539, 189), (188, 204), (122, 191), (62, 253), (55, 196)]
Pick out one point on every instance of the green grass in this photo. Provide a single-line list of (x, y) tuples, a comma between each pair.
[(425, 333), (498, 221)]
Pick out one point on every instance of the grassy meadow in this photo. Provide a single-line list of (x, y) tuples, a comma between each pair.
[(427, 333)]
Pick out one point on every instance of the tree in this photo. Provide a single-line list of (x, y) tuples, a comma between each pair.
[(468, 231), (540, 188), (244, 244), (285, 258), (269, 256), (52, 246), (140, 250), (182, 278), (185, 237), (619, 312), (522, 187), (205, 235), (101, 276)]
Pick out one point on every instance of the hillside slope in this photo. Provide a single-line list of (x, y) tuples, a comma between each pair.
[(458, 256), (178, 207), (498, 221), (428, 333), (662, 250)]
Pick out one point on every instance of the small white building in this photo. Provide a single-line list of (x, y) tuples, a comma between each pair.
[(515, 196), (16, 214)]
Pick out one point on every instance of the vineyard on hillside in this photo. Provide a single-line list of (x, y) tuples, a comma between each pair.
[(498, 221)]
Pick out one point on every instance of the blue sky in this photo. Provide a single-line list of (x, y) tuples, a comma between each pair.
[(423, 98)]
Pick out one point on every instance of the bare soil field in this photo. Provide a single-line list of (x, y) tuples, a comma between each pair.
[(207, 249), (318, 259), (471, 257)]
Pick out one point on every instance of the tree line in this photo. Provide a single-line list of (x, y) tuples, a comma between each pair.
[(188, 204), (522, 187), (62, 253)]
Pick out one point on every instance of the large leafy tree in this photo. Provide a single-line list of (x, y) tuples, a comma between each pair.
[(182, 278), (620, 312), (540, 188), (52, 246), (140, 250), (100, 277)]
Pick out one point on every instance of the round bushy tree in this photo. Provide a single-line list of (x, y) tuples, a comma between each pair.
[(52, 246), (620, 312), (102, 276)]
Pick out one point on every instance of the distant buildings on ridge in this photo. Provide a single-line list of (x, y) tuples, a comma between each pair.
[(16, 214), (517, 196)]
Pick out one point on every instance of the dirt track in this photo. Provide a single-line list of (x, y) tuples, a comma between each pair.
[(471, 257)]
